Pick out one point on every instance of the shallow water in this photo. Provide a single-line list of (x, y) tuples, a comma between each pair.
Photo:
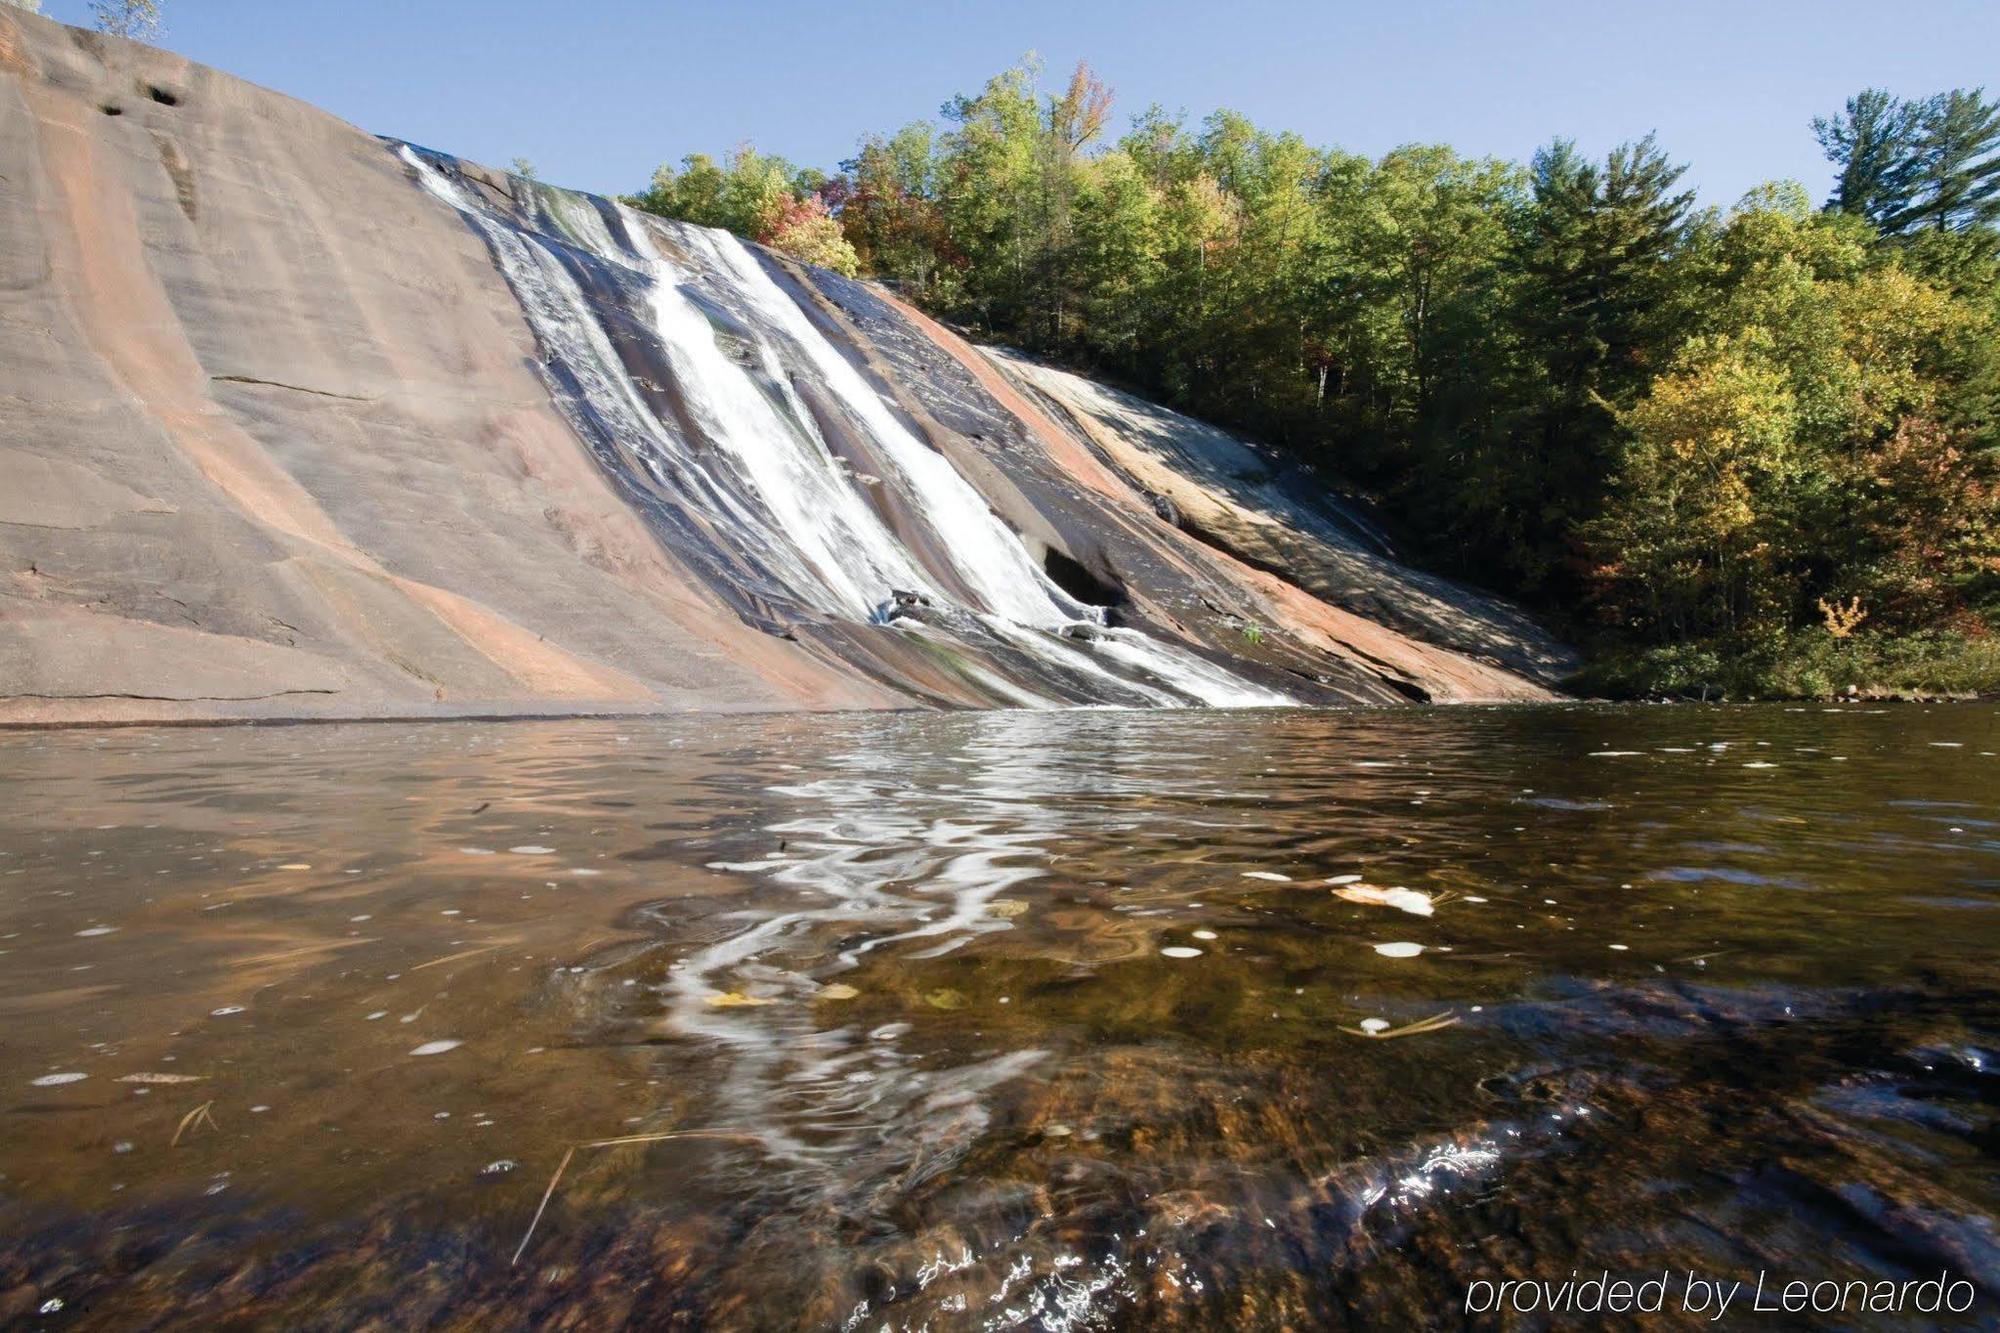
[(992, 1020)]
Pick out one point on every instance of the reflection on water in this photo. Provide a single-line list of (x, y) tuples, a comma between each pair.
[(999, 1020)]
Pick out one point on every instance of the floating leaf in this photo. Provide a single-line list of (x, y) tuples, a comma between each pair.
[(1413, 901), (1399, 949), (945, 998), (735, 1000), (839, 990), (161, 1078), (1006, 907)]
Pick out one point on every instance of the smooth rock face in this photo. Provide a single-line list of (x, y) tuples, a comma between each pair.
[(1249, 503), (298, 423)]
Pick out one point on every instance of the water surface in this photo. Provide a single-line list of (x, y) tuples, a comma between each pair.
[(991, 1020)]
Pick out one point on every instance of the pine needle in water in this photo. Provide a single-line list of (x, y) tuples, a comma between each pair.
[(1431, 1024), (194, 1119), (563, 1166), (452, 958)]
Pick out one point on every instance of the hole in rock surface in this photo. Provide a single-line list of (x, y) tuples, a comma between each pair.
[(1079, 582)]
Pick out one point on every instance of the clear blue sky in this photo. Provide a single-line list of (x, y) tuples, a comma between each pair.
[(595, 94)]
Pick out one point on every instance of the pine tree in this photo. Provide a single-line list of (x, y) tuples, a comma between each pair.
[(1958, 165), (1909, 167), (1875, 144), (1593, 264)]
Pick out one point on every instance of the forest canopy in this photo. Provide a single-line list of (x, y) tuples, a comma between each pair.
[(1733, 451)]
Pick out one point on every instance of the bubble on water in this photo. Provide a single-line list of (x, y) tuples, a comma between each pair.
[(1621, 948), (1203, 934), (295, 865), (583, 870), (499, 1168), (122, 1146), (57, 1080), (1613, 754), (437, 1047), (476, 851), (1760, 764), (96, 930), (52, 1305), (1374, 1025), (379, 1013), (1267, 874), (1345, 879), (225, 1011), (1180, 951), (1399, 949), (531, 849)]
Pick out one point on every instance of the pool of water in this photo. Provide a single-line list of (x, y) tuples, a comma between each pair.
[(1074, 1020)]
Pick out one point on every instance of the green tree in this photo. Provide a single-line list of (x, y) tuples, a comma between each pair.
[(1958, 165), (1875, 143), (1693, 536), (1595, 308), (1909, 167)]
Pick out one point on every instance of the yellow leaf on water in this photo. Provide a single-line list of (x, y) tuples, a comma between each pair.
[(735, 999), (945, 998), (839, 990), (1007, 907)]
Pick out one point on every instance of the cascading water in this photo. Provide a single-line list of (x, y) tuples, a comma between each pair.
[(710, 394)]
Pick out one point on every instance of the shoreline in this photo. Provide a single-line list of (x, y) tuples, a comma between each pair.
[(379, 719)]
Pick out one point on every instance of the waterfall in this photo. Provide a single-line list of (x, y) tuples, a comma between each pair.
[(688, 370)]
